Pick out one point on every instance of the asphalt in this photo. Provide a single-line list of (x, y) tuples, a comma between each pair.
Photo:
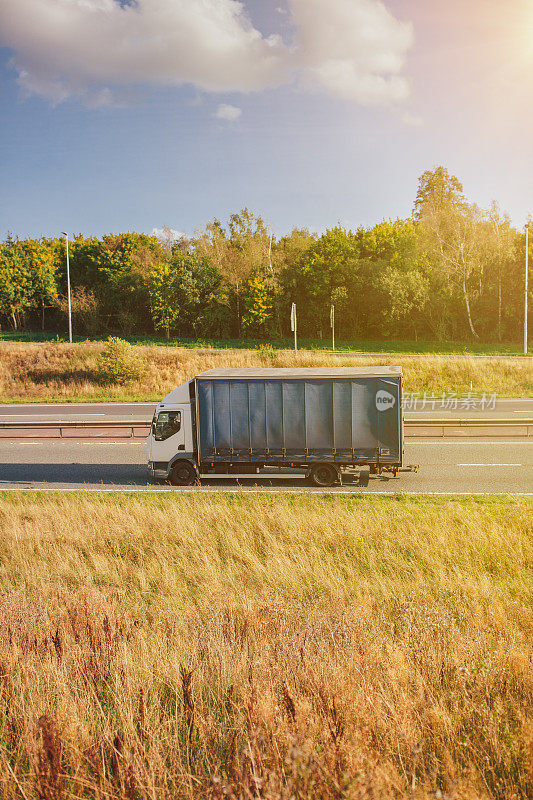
[(77, 412), (445, 468), (425, 407)]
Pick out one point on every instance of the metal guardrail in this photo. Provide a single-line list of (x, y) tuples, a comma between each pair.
[(473, 428), (107, 429), (128, 429)]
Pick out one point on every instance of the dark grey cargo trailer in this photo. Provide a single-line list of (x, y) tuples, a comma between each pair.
[(325, 421)]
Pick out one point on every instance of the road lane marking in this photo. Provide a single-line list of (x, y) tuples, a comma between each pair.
[(76, 405), (489, 465), (74, 441), (75, 414)]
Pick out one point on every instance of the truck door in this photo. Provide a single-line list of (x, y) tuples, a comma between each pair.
[(168, 434)]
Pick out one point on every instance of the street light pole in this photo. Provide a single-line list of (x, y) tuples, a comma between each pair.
[(525, 288), (68, 292)]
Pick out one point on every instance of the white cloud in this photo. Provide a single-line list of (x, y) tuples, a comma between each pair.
[(79, 47), (96, 49), (352, 49), (227, 112), (167, 234)]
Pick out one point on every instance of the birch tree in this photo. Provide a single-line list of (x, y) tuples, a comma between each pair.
[(452, 230), (499, 247)]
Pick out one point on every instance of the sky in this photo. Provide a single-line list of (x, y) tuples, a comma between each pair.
[(138, 114)]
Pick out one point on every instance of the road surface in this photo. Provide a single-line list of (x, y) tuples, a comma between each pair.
[(445, 467), (504, 408)]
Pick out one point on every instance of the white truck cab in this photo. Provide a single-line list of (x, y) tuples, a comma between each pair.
[(171, 434)]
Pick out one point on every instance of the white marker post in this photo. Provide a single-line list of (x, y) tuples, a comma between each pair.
[(294, 326), (68, 292), (332, 323)]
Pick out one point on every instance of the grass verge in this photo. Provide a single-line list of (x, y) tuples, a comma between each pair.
[(68, 373), (304, 647), (430, 347)]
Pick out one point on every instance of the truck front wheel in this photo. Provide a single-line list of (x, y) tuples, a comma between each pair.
[(182, 474), (324, 475)]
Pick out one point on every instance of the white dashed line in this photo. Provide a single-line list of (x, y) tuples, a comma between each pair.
[(489, 465), (53, 421)]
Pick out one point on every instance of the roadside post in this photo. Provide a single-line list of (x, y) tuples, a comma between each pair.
[(332, 323), (294, 326)]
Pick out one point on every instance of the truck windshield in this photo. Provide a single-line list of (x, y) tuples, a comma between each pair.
[(167, 424)]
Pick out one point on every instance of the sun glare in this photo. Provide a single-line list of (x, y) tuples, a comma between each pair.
[(528, 32)]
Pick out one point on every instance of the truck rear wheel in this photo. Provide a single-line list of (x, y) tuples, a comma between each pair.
[(324, 475), (182, 474)]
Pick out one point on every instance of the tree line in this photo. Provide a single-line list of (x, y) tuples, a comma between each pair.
[(452, 270)]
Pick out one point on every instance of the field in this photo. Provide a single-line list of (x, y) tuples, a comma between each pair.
[(63, 372), (290, 647), (354, 345)]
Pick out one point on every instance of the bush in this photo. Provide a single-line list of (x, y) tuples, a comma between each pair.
[(267, 352), (118, 363), (86, 315)]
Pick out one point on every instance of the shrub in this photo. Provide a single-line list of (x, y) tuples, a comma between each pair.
[(86, 316), (267, 353), (118, 362)]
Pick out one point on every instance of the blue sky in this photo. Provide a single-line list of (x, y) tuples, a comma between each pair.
[(133, 142)]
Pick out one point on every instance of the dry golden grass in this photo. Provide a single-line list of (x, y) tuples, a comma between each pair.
[(51, 371), (245, 647)]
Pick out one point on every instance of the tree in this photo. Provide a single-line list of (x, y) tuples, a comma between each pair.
[(404, 295), (452, 229), (498, 247), (15, 285), (240, 251), (41, 264), (116, 271), (331, 263), (394, 273), (124, 263), (186, 294), (200, 295), (164, 297), (27, 278), (438, 189), (286, 254), (257, 306)]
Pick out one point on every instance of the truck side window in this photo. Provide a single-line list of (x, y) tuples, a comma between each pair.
[(167, 424)]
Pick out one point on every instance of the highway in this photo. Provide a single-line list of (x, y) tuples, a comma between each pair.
[(445, 468), (502, 408), (78, 412)]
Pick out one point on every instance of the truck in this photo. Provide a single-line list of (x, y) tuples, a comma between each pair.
[(322, 422)]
